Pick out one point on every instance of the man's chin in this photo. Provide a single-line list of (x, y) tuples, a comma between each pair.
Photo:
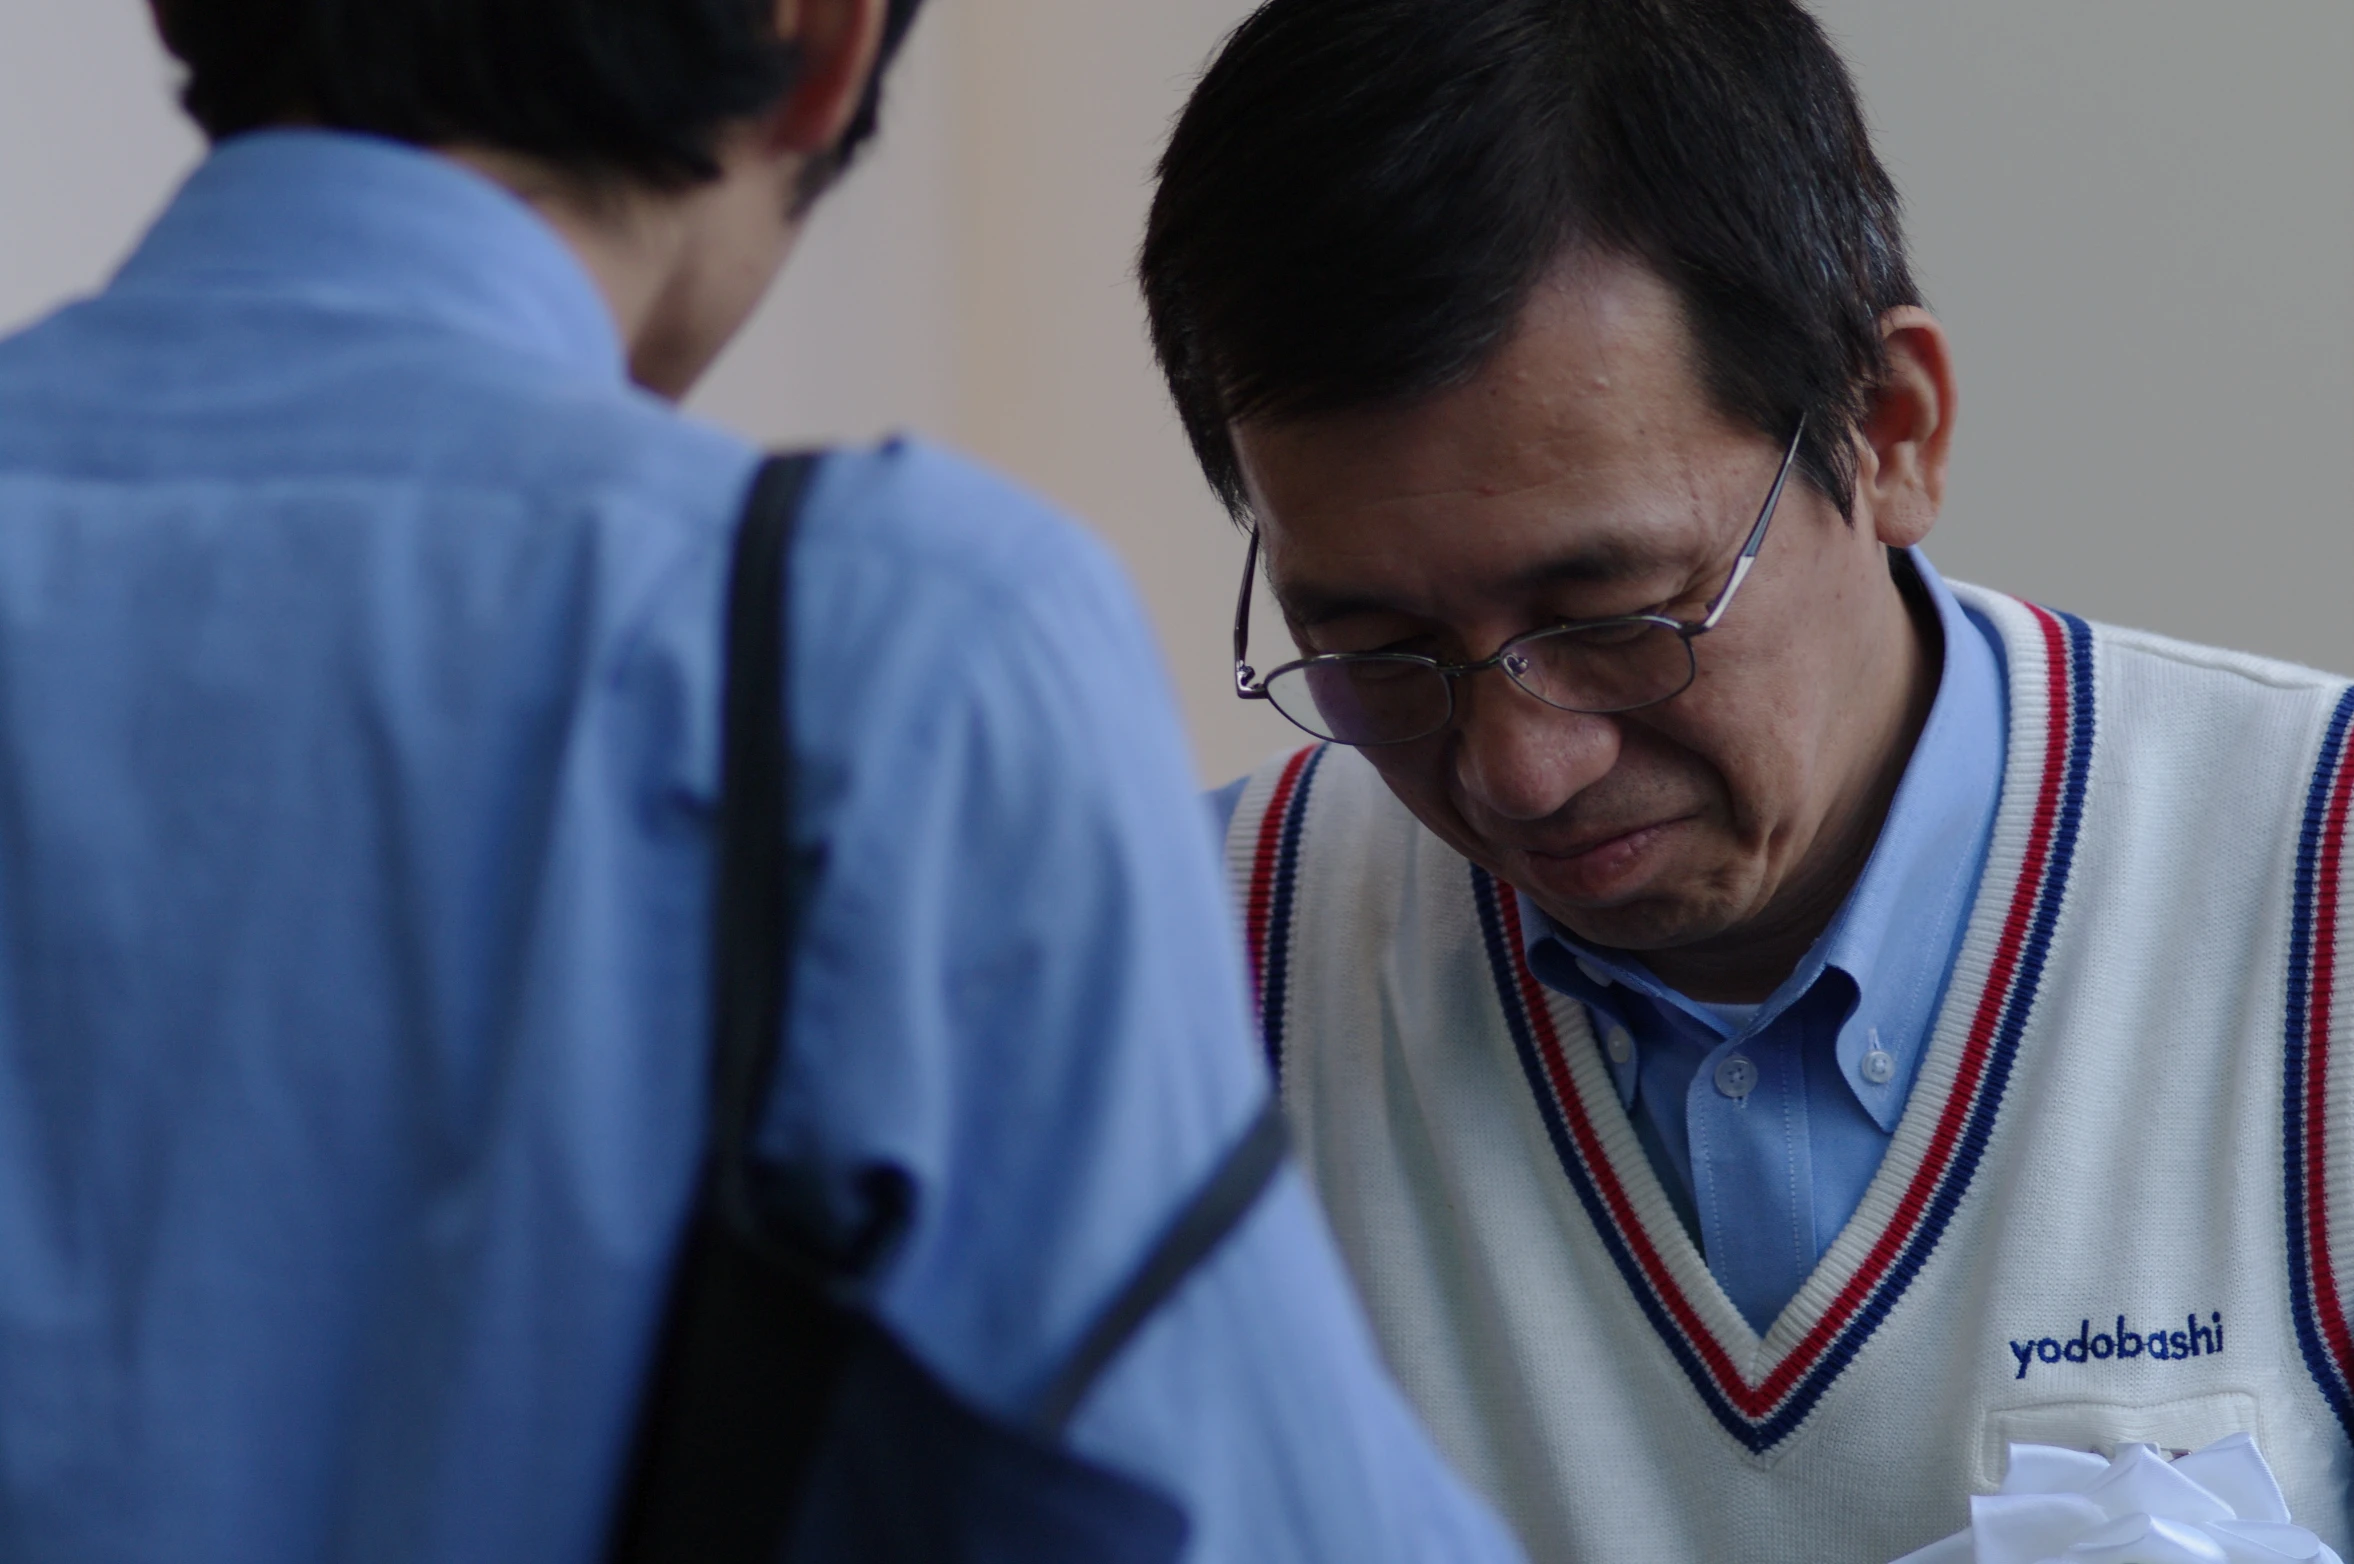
[(1642, 926)]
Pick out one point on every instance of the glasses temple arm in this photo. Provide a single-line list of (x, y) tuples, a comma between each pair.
[(1243, 672), (1757, 532)]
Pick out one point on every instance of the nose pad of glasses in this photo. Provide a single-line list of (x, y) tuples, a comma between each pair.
[(1517, 664)]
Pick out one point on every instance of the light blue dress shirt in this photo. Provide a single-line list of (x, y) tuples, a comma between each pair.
[(358, 689), (1766, 1122)]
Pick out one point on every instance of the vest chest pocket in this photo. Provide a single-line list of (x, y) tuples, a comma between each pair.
[(2102, 1426)]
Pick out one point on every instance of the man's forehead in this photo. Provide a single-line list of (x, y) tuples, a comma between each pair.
[(1582, 453), (1516, 518)]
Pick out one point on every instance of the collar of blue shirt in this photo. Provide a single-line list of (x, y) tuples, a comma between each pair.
[(1894, 940), (354, 222)]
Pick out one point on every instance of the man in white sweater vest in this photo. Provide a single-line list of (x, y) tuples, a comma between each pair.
[(1771, 1028)]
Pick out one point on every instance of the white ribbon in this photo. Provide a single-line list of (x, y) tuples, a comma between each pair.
[(2219, 1505)]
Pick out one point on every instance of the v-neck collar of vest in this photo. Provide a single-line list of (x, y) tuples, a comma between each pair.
[(1761, 1389)]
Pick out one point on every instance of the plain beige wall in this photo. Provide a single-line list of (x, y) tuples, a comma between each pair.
[(90, 141), (2137, 216)]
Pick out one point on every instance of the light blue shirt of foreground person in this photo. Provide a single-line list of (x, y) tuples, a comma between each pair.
[(359, 657), (1767, 1122)]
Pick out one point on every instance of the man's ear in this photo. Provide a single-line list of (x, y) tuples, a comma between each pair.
[(839, 41), (1906, 434)]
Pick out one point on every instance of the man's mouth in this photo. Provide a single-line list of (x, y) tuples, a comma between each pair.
[(1597, 868)]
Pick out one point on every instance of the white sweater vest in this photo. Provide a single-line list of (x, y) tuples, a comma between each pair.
[(2115, 1208)]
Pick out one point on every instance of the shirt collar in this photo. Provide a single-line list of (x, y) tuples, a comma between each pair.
[(355, 222), (1894, 938)]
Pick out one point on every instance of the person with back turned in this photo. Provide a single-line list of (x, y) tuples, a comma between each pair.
[(1772, 1029), (567, 992)]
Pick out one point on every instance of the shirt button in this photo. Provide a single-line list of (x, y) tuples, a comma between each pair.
[(1619, 1043), (1879, 1067), (1594, 974), (1736, 1076)]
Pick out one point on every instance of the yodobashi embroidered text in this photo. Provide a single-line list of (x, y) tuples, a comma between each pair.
[(2089, 1346)]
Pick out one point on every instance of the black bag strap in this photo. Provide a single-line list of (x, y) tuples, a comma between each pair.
[(757, 899), (752, 1341), (1217, 1208), (761, 1320)]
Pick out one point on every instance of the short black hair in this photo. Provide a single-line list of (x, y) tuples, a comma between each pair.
[(1361, 195), (635, 89)]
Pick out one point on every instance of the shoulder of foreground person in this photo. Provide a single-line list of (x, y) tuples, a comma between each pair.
[(1019, 985)]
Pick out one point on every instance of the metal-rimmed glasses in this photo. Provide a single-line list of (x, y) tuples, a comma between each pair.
[(1596, 666)]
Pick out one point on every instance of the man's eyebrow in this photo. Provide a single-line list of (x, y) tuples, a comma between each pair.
[(1599, 563)]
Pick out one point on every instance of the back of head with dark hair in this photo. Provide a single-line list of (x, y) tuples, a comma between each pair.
[(1361, 195), (636, 89)]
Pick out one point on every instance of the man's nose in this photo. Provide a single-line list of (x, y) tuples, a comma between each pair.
[(1519, 758)]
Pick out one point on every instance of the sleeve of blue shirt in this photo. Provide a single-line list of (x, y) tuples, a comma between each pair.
[(1222, 802), (1019, 983)]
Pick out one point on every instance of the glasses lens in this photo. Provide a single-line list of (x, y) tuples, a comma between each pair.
[(1362, 700), (1617, 665)]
